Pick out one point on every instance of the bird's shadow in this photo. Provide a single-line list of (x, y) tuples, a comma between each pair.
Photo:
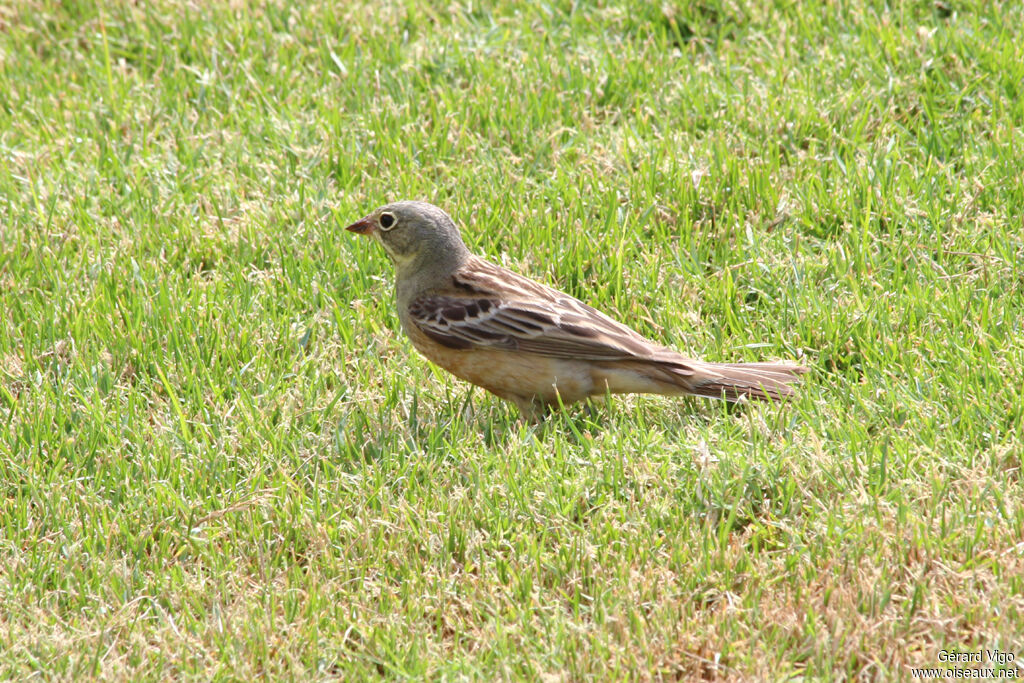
[(501, 423), (458, 416)]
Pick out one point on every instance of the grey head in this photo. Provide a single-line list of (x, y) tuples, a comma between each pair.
[(416, 236)]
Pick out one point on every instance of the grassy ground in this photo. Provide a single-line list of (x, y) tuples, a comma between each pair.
[(220, 457)]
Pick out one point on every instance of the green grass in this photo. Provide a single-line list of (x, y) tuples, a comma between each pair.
[(219, 456)]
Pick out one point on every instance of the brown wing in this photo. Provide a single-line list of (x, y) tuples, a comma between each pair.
[(490, 307)]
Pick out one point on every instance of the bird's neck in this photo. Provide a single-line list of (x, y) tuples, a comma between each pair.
[(429, 271)]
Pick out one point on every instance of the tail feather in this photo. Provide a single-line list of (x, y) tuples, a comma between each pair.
[(674, 375), (738, 381)]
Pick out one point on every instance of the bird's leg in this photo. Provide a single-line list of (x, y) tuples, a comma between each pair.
[(532, 410), (593, 407)]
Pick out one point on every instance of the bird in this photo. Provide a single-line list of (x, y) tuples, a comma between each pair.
[(529, 343)]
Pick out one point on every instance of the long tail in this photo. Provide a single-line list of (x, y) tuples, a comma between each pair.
[(736, 381)]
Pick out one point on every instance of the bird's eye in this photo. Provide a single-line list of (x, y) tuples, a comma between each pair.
[(387, 221)]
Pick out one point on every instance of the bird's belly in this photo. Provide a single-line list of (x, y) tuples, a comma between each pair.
[(514, 374)]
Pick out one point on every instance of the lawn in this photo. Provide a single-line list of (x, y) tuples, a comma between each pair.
[(221, 458)]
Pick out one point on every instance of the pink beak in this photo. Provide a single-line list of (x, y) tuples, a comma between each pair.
[(363, 226)]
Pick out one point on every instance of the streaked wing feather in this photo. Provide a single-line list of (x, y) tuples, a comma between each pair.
[(560, 328)]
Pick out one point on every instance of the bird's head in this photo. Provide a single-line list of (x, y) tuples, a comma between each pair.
[(413, 234)]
